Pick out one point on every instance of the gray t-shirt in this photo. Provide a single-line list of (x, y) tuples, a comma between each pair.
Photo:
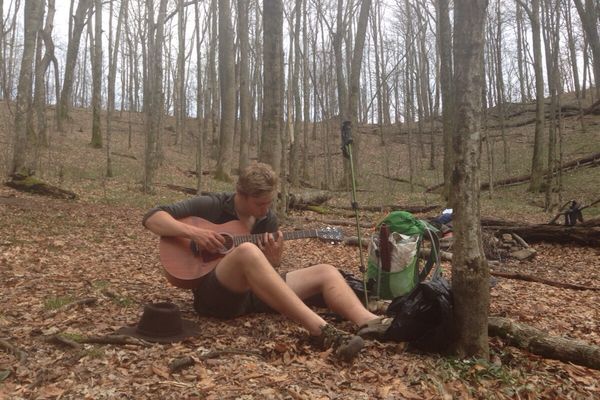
[(217, 208)]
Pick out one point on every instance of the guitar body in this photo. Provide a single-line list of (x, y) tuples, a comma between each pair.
[(184, 264)]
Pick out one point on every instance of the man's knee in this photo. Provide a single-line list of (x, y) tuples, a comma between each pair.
[(249, 255), (329, 272)]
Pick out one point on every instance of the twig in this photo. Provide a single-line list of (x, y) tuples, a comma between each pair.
[(113, 339), (61, 340), (529, 278), (218, 353), (14, 350), (85, 301)]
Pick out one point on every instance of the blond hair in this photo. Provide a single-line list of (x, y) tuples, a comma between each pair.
[(256, 180)]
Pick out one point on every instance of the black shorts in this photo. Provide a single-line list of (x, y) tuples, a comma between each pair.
[(213, 299)]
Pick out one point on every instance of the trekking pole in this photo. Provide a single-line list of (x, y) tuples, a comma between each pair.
[(347, 152)]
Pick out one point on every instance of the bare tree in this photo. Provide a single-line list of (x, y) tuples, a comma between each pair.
[(97, 77), (445, 48), (470, 273), (537, 162), (41, 67), (77, 24), (227, 82), (245, 106), (589, 13), (113, 51), (153, 91), (24, 142), (272, 119)]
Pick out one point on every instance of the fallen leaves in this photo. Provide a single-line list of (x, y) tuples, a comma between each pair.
[(56, 249)]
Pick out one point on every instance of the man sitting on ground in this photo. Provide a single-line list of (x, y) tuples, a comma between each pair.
[(245, 281)]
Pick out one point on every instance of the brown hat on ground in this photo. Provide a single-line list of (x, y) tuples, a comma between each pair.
[(161, 323)]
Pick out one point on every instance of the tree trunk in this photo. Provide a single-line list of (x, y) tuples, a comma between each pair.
[(589, 20), (78, 23), (272, 123), (112, 76), (245, 105), (537, 162), (153, 99), (445, 48), (23, 158), (97, 77), (470, 272), (227, 85)]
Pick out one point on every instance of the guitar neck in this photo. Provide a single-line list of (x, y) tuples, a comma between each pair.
[(257, 237)]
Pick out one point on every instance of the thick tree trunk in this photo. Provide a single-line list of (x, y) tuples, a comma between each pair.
[(445, 49), (97, 77), (23, 158), (537, 162), (272, 122), (245, 105), (470, 272), (227, 85)]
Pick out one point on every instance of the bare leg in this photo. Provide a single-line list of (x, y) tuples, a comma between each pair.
[(328, 281), (246, 267)]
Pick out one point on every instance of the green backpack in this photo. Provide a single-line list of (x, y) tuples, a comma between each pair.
[(393, 265)]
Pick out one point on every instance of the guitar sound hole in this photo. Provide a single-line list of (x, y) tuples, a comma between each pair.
[(228, 245)]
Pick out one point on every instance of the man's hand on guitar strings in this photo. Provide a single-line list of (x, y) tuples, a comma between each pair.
[(208, 240), (272, 247)]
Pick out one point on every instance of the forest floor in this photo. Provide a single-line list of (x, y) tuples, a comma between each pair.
[(54, 253)]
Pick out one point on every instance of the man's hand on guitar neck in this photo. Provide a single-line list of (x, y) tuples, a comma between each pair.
[(272, 247)]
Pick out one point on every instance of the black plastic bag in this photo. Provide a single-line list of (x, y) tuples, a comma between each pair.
[(424, 316)]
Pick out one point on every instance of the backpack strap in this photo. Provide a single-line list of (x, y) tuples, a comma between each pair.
[(434, 256)]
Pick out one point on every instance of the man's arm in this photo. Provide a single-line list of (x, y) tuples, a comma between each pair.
[(163, 224)]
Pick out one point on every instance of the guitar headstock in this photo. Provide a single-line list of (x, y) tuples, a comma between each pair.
[(330, 234)]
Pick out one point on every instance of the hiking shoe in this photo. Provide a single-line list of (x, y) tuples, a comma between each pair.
[(345, 345), (375, 328)]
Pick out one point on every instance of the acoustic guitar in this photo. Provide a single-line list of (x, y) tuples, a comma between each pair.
[(185, 263)]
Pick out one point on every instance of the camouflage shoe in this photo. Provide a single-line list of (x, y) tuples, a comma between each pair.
[(345, 345)]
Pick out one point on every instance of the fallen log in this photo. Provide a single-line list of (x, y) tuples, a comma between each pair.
[(593, 109), (392, 207), (540, 343), (31, 184), (591, 160), (300, 201), (582, 235), (123, 155)]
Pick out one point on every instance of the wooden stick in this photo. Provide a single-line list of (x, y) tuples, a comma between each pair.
[(548, 282), (114, 339), (61, 340)]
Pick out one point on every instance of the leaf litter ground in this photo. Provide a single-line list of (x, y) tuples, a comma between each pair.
[(53, 253)]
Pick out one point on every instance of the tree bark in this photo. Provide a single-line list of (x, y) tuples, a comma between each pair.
[(272, 119), (227, 84), (97, 77), (78, 23), (470, 272), (245, 104), (23, 158)]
